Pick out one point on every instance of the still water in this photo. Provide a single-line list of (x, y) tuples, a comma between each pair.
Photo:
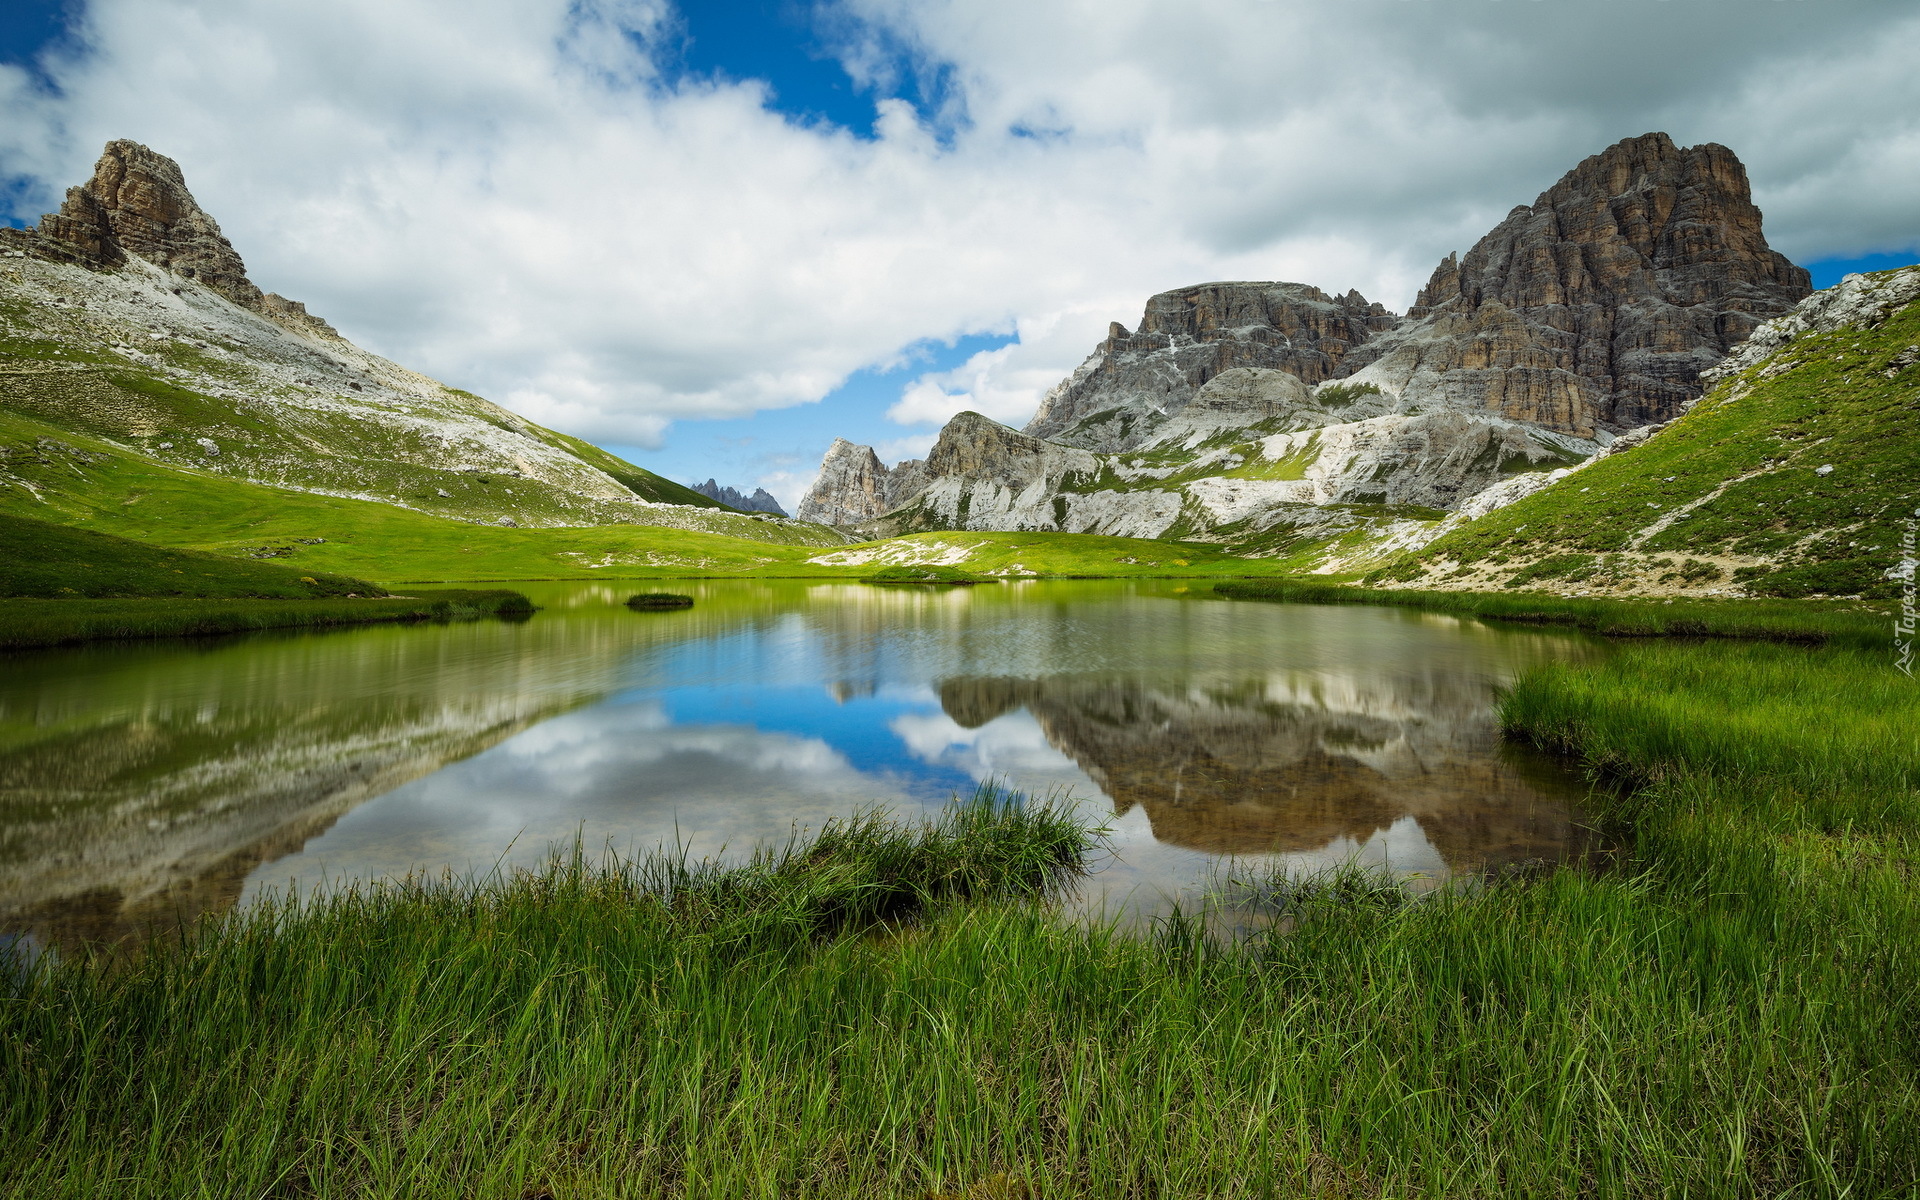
[(154, 781)]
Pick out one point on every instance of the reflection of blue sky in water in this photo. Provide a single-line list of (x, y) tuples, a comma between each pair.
[(710, 767), (741, 731)]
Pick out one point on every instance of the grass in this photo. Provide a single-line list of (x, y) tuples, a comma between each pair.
[(659, 600), (885, 1011), (1813, 622), (41, 559), (33, 623)]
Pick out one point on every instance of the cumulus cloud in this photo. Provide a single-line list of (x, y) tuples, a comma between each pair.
[(512, 195)]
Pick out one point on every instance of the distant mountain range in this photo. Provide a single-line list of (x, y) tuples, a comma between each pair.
[(760, 501)]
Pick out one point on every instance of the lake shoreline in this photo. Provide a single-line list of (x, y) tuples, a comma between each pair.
[(1809, 622), (30, 624)]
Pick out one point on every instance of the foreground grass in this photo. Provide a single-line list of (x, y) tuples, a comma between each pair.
[(1733, 1012), (1813, 622), (32, 623)]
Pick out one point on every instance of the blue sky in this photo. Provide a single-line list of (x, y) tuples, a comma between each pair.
[(713, 236)]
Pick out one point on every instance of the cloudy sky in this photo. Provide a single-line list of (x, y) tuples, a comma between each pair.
[(714, 234)]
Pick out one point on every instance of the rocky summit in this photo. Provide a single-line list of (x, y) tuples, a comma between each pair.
[(1599, 306), (1282, 419), (127, 318)]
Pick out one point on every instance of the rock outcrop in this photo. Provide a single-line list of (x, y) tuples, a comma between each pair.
[(853, 488), (761, 500), (137, 203), (1599, 306), (1186, 337)]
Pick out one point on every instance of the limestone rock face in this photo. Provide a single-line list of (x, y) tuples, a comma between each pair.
[(983, 475), (1600, 305), (854, 488), (760, 501), (137, 203), (1186, 337)]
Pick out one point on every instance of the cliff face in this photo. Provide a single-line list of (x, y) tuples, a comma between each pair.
[(1241, 409), (1793, 476), (1253, 452), (1187, 337), (1599, 305)]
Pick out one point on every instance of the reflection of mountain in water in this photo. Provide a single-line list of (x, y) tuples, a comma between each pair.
[(1295, 762), (145, 784)]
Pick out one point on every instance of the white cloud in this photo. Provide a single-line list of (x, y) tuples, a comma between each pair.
[(507, 194)]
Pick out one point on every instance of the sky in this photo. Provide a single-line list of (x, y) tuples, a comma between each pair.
[(712, 235)]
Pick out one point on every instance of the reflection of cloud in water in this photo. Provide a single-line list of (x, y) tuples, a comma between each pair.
[(1011, 748), (618, 774)]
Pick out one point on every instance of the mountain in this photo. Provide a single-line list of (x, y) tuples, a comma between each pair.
[(1794, 476), (127, 316), (760, 501), (1282, 420)]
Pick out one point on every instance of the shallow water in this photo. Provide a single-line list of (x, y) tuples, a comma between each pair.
[(153, 781)]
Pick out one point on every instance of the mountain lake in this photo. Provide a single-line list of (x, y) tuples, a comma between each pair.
[(145, 782)]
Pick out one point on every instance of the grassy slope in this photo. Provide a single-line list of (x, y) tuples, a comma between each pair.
[(1731, 1013), (86, 481), (39, 558), (1745, 459), (170, 394)]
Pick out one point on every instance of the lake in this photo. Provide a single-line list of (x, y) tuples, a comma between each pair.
[(161, 780)]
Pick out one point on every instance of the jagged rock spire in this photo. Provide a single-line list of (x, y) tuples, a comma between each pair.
[(137, 204)]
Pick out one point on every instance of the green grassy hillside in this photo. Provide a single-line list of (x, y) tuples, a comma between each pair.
[(39, 558), (88, 482), (1793, 477), (169, 370)]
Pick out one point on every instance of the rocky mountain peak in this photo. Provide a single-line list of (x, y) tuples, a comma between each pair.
[(853, 487), (1188, 336), (1600, 303), (137, 204)]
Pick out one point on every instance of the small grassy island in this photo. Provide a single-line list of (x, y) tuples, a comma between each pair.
[(926, 573), (650, 601)]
